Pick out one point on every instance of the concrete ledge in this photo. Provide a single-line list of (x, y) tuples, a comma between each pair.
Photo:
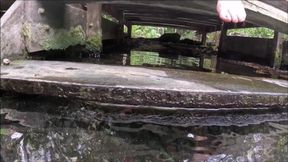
[(142, 86)]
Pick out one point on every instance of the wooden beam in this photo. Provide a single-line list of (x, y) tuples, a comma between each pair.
[(157, 24), (168, 21), (266, 9), (175, 19)]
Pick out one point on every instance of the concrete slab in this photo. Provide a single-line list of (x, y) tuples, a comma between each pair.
[(142, 86)]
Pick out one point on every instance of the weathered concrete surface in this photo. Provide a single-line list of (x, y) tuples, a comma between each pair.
[(142, 86), (11, 29), (32, 26)]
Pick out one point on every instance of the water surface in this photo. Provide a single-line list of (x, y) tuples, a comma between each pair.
[(37, 128)]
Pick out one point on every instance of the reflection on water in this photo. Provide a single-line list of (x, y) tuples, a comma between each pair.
[(145, 58), (62, 130), (153, 58)]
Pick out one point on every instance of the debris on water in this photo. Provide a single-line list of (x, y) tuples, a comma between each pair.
[(240, 159), (216, 158), (41, 10), (124, 60), (16, 135), (257, 137), (73, 159), (190, 135), (6, 61)]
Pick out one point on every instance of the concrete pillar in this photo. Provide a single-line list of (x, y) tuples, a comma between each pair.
[(204, 38), (93, 27), (121, 33), (276, 58), (129, 26), (12, 42), (223, 35), (52, 26), (198, 35), (284, 62), (220, 37), (201, 61)]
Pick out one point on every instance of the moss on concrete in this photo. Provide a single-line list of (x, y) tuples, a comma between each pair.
[(277, 59), (62, 39), (94, 43), (43, 37), (25, 32)]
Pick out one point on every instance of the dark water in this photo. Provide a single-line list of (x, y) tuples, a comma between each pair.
[(37, 128), (134, 58), (167, 58)]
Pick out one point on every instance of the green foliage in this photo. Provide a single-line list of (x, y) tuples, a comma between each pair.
[(4, 131), (145, 31), (156, 32), (260, 32)]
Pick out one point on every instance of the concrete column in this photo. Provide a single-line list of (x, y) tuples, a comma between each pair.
[(276, 58), (129, 26), (201, 61), (204, 38), (93, 27), (199, 35), (285, 54), (223, 35), (52, 26), (220, 37)]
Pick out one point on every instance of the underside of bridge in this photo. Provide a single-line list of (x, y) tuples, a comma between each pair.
[(196, 15), (32, 17), (28, 20)]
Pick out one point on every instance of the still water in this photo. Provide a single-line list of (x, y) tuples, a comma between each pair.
[(37, 128)]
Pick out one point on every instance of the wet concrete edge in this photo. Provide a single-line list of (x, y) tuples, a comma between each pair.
[(146, 97)]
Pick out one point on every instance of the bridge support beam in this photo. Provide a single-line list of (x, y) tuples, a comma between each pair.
[(277, 53), (32, 26)]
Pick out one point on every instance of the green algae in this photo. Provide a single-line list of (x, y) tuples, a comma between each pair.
[(25, 32), (62, 39), (94, 43), (48, 38)]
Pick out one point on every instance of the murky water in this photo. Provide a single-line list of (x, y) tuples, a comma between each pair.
[(37, 128), (164, 59)]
